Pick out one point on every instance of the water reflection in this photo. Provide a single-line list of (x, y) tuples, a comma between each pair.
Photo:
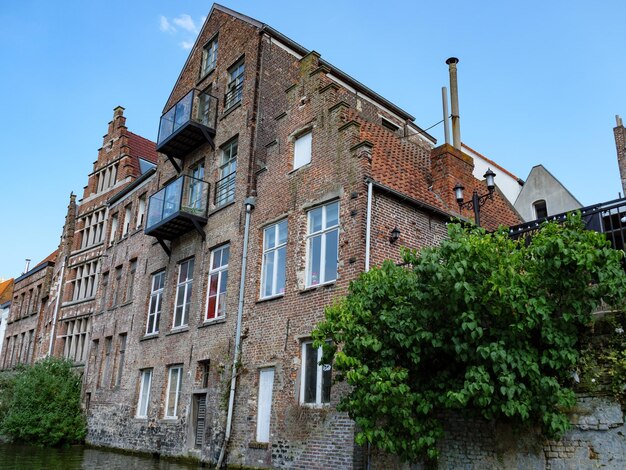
[(21, 457)]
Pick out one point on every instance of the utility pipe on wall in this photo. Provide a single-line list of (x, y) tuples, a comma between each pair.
[(368, 225), (250, 203)]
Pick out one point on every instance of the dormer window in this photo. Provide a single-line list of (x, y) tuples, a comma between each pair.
[(541, 210)]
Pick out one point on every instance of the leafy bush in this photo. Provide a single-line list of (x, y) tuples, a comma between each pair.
[(43, 405), (482, 324)]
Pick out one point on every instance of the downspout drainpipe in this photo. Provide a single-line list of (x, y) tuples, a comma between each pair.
[(368, 225), (56, 309), (250, 203)]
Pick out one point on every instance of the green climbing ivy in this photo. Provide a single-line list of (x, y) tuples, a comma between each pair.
[(482, 324)]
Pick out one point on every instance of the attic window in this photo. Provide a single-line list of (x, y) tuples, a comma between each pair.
[(541, 210), (389, 125)]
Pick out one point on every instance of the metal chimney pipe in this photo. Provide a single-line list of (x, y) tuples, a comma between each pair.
[(454, 97), (618, 120), (446, 124), (27, 266)]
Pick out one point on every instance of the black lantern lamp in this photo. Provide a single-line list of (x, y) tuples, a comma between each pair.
[(395, 235), (477, 200)]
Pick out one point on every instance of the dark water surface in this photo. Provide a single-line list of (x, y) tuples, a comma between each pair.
[(22, 457)]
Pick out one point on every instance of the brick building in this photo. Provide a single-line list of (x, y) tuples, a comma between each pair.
[(279, 179), (122, 159)]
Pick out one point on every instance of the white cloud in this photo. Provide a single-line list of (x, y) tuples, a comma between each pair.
[(186, 22), (165, 25), (186, 45)]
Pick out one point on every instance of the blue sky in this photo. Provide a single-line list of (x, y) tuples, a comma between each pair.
[(539, 82)]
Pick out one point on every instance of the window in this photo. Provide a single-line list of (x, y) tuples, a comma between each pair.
[(106, 177), (92, 231), (322, 244), (174, 383), (302, 150), (120, 359), (37, 301), (541, 209), (130, 286), (85, 281), (117, 288), (113, 228), (218, 278), (235, 85), (105, 288), (104, 377), (156, 301), (264, 408), (183, 293), (316, 377), (141, 210), (209, 57), (145, 379), (207, 108), (225, 187), (75, 339), (204, 371), (195, 186), (274, 255), (126, 226)]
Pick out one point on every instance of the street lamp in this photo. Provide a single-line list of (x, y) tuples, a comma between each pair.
[(477, 201)]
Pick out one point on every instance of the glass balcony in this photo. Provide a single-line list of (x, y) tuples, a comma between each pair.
[(187, 125), (178, 208)]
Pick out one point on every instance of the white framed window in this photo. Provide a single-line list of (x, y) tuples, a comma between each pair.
[(183, 294), (145, 381), (141, 211), (114, 221), (156, 302), (234, 88), (274, 259), (85, 281), (264, 404), (322, 244), (126, 227), (196, 186), (225, 187), (76, 339), (316, 378), (302, 150), (174, 383), (218, 279), (92, 231), (209, 57)]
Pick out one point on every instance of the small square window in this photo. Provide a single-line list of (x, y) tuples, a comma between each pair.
[(302, 150)]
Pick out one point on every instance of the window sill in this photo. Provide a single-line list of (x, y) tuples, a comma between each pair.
[(205, 76), (87, 248), (318, 286), (150, 336), (271, 297), (223, 206), (169, 420), (231, 109), (213, 321), (306, 165), (315, 406), (177, 330), (143, 419), (258, 445), (76, 302)]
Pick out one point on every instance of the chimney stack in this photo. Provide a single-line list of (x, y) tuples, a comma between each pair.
[(454, 98), (27, 266)]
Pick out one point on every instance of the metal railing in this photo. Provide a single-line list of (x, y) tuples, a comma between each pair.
[(194, 106), (607, 217), (225, 189), (184, 194), (234, 93)]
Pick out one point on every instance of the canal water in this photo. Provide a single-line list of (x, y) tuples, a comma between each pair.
[(21, 457)]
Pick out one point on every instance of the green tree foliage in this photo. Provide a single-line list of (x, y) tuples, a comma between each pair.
[(43, 405), (482, 324)]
